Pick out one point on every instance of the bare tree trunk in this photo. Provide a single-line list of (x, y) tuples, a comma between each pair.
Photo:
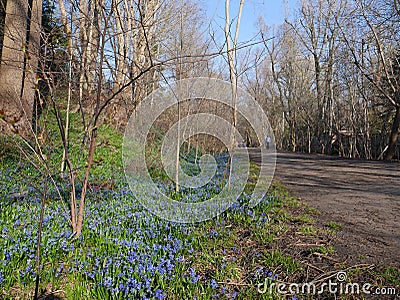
[(67, 112), (394, 134), (68, 33), (93, 129), (85, 183), (232, 72), (18, 65), (120, 50)]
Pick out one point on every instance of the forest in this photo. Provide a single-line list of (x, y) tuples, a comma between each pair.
[(114, 113), (327, 77)]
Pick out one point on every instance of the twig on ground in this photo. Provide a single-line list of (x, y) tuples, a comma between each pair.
[(325, 256)]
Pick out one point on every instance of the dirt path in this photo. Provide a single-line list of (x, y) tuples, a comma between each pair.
[(363, 196)]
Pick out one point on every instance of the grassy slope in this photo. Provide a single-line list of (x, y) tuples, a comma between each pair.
[(222, 258)]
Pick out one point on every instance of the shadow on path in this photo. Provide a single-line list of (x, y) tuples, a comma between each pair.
[(364, 196)]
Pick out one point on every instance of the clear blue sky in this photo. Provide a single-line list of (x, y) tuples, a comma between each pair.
[(272, 11)]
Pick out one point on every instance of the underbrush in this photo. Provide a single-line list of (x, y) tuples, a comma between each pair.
[(125, 252)]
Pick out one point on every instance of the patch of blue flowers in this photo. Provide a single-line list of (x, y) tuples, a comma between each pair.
[(123, 251)]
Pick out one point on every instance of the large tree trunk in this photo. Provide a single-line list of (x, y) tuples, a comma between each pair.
[(19, 60), (393, 135)]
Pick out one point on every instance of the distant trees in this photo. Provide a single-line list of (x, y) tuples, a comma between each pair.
[(382, 23), (330, 80)]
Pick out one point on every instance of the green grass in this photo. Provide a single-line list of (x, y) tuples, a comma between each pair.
[(334, 225), (323, 250), (226, 251), (309, 230), (312, 211), (224, 257), (392, 275), (305, 219), (231, 248)]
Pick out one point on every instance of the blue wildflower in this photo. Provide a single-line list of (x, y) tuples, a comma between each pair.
[(160, 294), (108, 282), (213, 284)]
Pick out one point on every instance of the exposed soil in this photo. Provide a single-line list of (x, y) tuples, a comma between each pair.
[(362, 196)]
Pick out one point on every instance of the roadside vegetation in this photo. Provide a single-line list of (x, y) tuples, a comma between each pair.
[(124, 252)]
